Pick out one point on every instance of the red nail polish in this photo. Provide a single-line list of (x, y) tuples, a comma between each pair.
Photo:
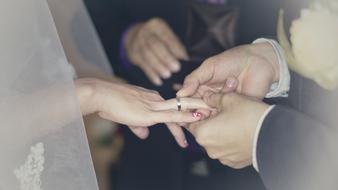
[(197, 114)]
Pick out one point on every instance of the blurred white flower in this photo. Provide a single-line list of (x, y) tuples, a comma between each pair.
[(314, 39)]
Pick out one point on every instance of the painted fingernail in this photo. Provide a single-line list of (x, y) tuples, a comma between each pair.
[(197, 114)]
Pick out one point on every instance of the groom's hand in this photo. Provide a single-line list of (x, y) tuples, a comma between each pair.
[(228, 135), (249, 70)]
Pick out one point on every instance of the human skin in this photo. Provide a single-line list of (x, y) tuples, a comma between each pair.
[(155, 48), (136, 107), (228, 135)]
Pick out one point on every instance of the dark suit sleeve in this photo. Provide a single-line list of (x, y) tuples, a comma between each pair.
[(295, 152), (257, 19)]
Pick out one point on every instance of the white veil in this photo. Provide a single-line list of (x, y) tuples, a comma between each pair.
[(79, 38), (43, 144)]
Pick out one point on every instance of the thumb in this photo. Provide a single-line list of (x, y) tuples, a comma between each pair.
[(189, 87), (198, 77), (231, 85)]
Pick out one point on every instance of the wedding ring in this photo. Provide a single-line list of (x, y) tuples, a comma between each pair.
[(179, 105)]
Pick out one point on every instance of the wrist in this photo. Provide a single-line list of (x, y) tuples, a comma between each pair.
[(266, 51), (281, 80), (87, 95)]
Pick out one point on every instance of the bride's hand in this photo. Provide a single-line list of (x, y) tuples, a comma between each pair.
[(136, 107)]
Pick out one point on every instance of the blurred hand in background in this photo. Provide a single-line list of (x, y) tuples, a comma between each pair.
[(154, 47)]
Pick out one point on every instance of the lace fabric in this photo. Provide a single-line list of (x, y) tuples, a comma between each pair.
[(29, 174), (43, 143)]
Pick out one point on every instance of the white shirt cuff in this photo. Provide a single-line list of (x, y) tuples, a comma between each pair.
[(258, 129), (282, 87)]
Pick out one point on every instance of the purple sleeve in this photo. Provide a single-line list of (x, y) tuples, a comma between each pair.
[(124, 60), (122, 50)]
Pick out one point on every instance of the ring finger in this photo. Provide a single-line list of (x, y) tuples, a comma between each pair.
[(186, 104)]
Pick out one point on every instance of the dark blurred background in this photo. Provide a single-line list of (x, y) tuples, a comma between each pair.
[(205, 28)]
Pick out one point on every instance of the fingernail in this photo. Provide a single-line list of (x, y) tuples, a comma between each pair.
[(158, 82), (175, 66), (230, 83), (185, 56), (166, 75), (197, 114), (185, 143)]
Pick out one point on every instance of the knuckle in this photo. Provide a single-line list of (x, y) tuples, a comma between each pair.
[(167, 58), (144, 30), (144, 97), (151, 95), (153, 105), (156, 98), (168, 40), (153, 42), (148, 92), (191, 78), (157, 65), (210, 60)]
